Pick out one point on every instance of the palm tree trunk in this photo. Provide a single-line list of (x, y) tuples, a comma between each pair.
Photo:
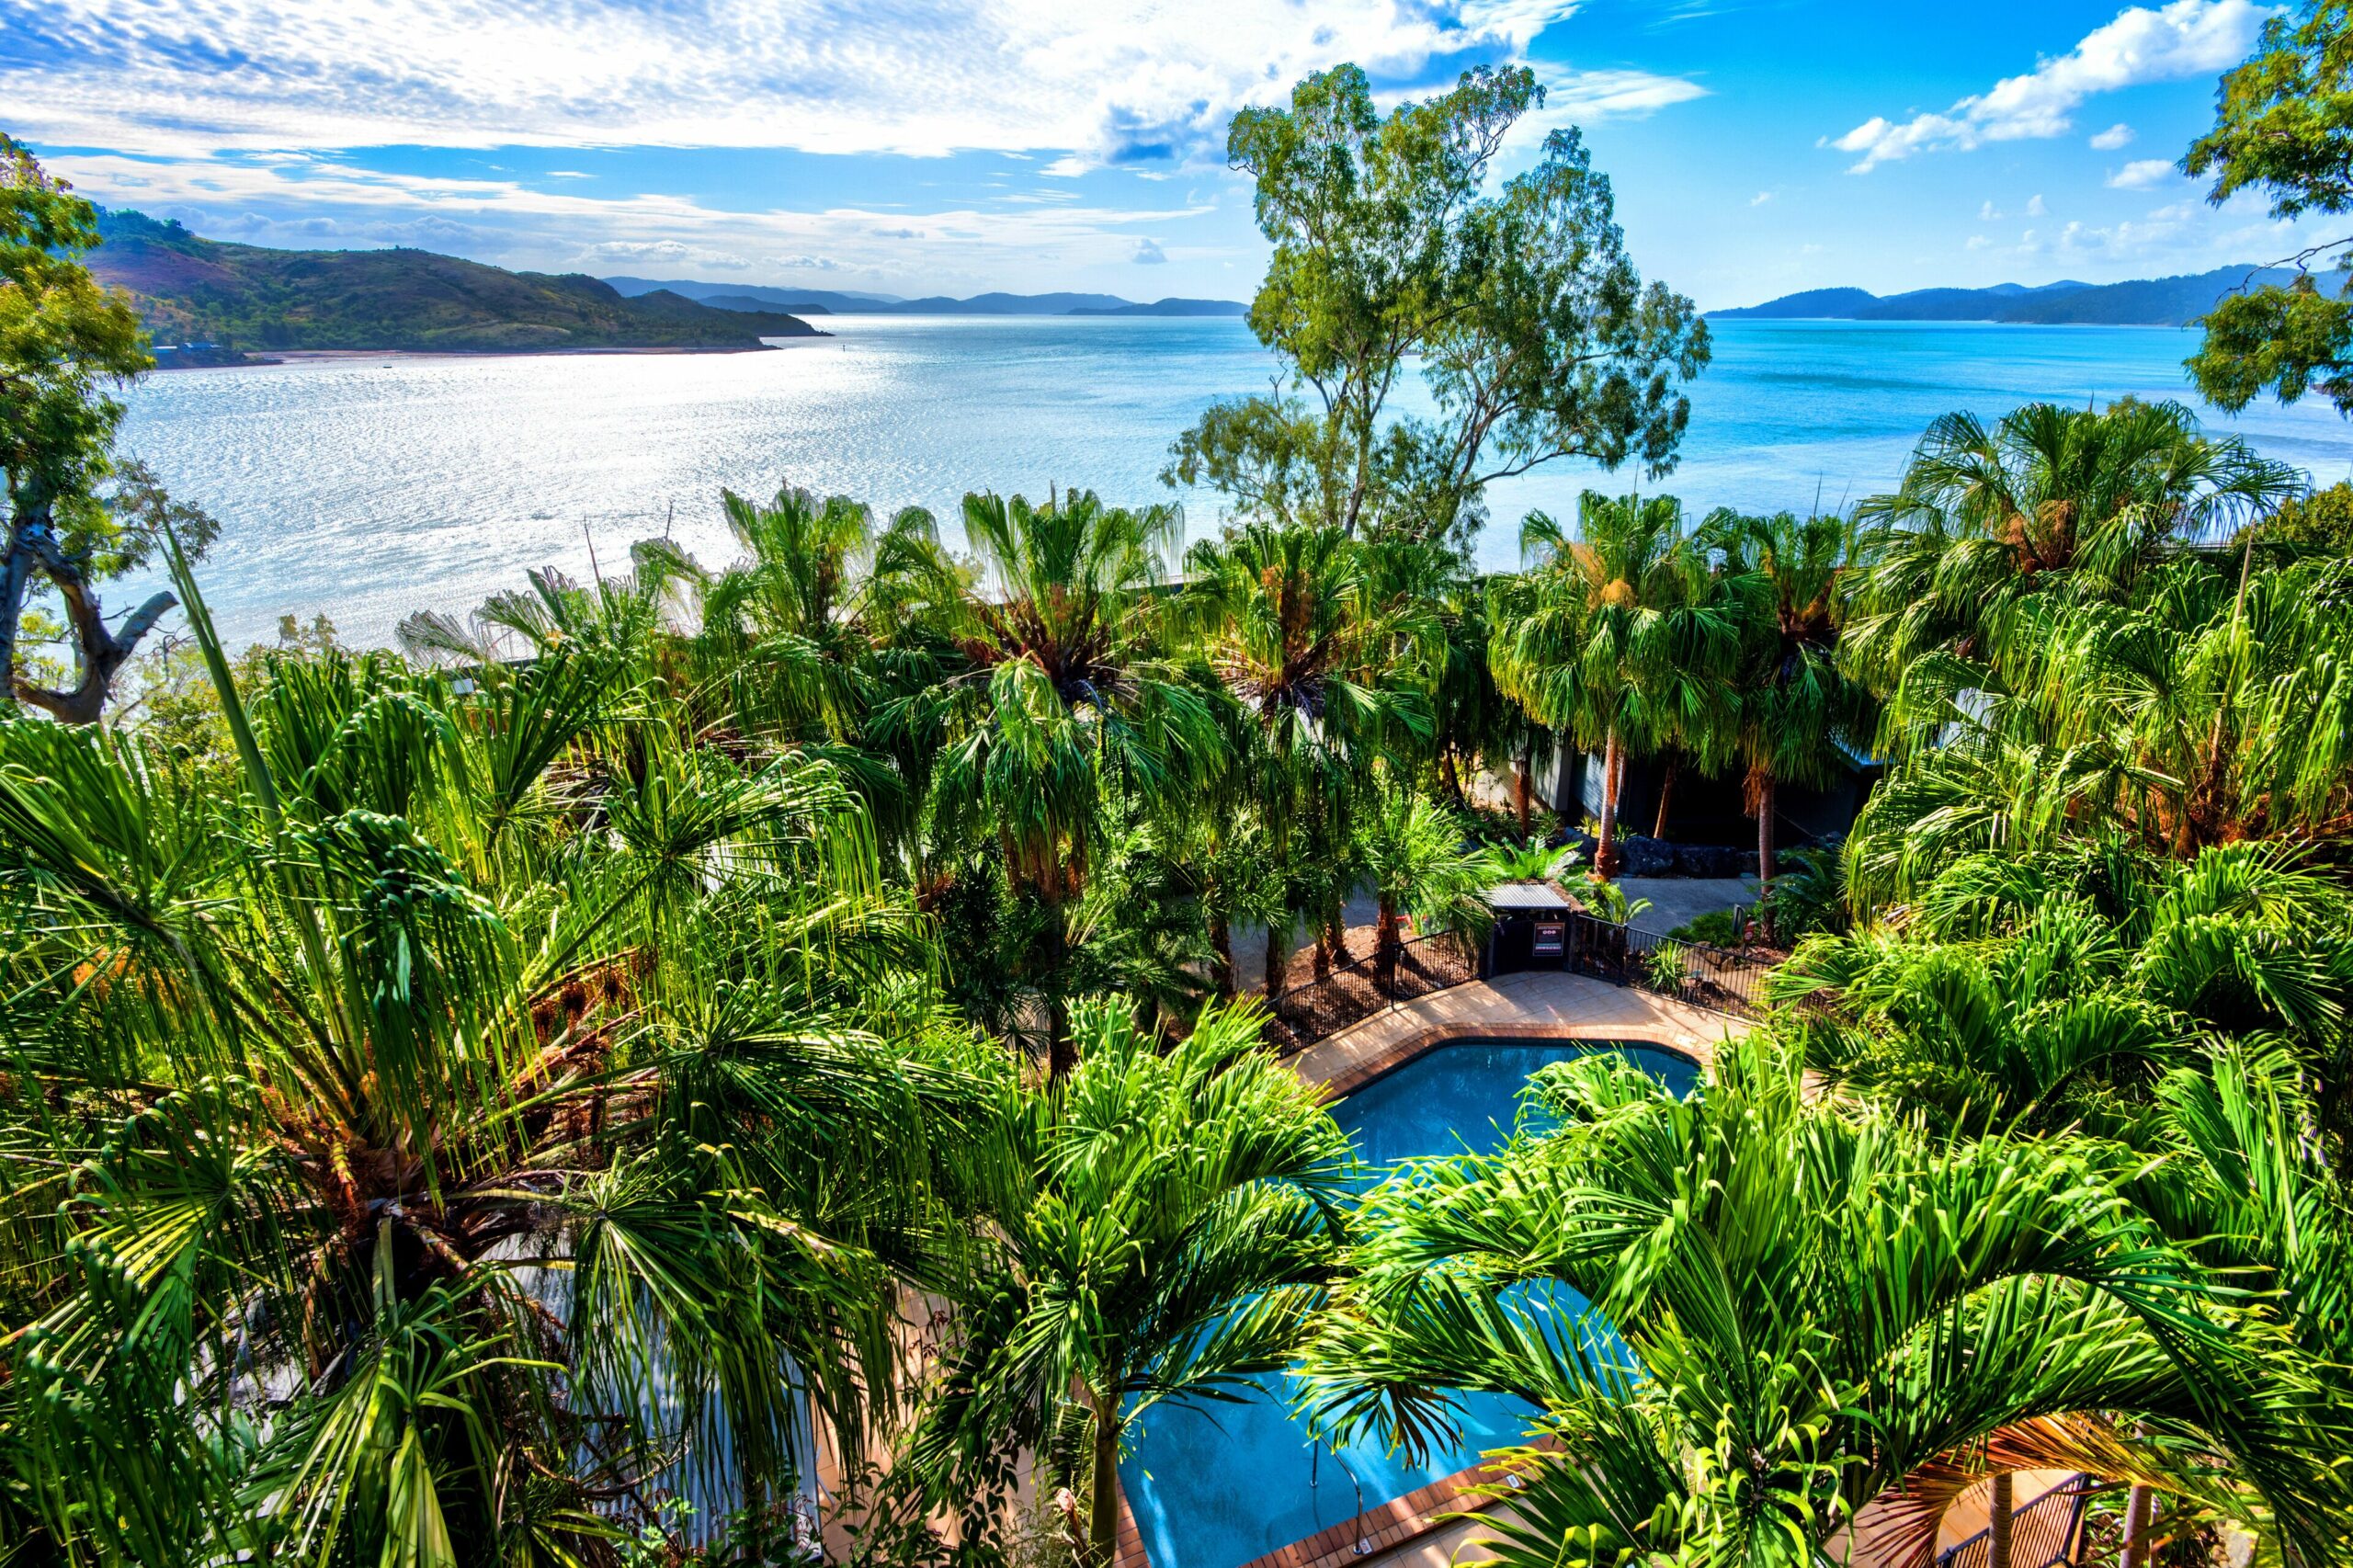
[(1335, 932), (2140, 1511), (1275, 957), (1388, 943), (1222, 955), (1448, 777), (1997, 1527), (1764, 786), (1667, 791), (1522, 761), (1606, 859), (1103, 1521)]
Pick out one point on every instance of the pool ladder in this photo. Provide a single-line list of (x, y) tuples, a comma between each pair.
[(1314, 1457)]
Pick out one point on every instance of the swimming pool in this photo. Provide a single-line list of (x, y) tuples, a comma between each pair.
[(1217, 1487)]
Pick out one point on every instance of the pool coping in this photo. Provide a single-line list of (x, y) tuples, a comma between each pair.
[(1430, 1507)]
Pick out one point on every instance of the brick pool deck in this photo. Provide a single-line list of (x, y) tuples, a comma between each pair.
[(1540, 1004)]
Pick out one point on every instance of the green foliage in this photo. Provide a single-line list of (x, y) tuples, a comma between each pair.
[(2284, 126), (2318, 524), (1625, 637), (1795, 1309), (1165, 1225), (1535, 334), (1716, 928)]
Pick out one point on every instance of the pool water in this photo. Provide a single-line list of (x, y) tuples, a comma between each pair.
[(1220, 1484)]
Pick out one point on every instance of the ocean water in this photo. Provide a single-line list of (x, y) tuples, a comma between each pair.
[(366, 488)]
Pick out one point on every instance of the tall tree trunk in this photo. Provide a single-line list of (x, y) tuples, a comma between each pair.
[(1388, 943), (1061, 1057), (2139, 1513), (1276, 957), (1997, 1530), (1606, 859), (1103, 1521), (1222, 955), (1522, 762), (1667, 791), (1448, 777), (32, 545), (1761, 789), (1335, 932)]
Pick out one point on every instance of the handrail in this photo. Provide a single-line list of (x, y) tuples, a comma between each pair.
[(2034, 1543)]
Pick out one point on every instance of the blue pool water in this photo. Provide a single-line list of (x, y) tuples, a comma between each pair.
[(1215, 1487)]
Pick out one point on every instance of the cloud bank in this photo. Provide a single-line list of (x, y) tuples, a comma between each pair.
[(2187, 38)]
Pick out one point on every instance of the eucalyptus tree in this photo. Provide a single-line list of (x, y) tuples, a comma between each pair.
[(1166, 1222), (64, 343), (1756, 1326), (1802, 719), (2077, 503), (1623, 636), (2283, 125), (1059, 696), (1535, 334), (1330, 662), (427, 1147)]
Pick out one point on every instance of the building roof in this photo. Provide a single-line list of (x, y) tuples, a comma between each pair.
[(1531, 896)]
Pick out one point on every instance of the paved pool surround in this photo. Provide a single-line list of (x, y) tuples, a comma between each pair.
[(1535, 1008)]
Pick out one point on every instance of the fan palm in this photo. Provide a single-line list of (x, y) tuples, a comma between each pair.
[(1167, 1226), (2077, 501), (1329, 658), (1623, 636), (793, 626), (1060, 693), (423, 1151), (1744, 1318), (1800, 718), (1415, 859), (2053, 990)]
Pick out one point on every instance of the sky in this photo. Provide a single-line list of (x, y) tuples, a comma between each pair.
[(1756, 147)]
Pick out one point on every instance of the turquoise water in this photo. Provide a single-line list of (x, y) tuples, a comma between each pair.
[(371, 487), (1218, 1485)]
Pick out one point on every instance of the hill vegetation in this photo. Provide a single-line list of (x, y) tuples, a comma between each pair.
[(2160, 301), (194, 291), (737, 295)]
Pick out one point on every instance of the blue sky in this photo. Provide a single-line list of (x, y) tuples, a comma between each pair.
[(1758, 146)]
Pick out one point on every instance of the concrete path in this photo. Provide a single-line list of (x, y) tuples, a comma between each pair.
[(1674, 900), (1548, 1003)]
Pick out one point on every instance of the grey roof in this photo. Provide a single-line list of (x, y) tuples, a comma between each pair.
[(1541, 896)]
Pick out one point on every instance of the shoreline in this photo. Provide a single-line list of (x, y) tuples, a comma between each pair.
[(260, 358)]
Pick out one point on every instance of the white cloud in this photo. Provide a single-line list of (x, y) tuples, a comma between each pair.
[(2184, 39), (1109, 81), (806, 263), (1977, 242), (2036, 208), (1148, 254), (1760, 199), (668, 252), (2115, 137), (1989, 213), (2142, 174)]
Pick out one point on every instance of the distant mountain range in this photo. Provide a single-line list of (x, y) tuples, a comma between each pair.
[(738, 296), (191, 291), (2160, 301)]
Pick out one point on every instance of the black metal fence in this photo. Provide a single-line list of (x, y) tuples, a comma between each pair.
[(1367, 985), (2043, 1532), (1725, 980)]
